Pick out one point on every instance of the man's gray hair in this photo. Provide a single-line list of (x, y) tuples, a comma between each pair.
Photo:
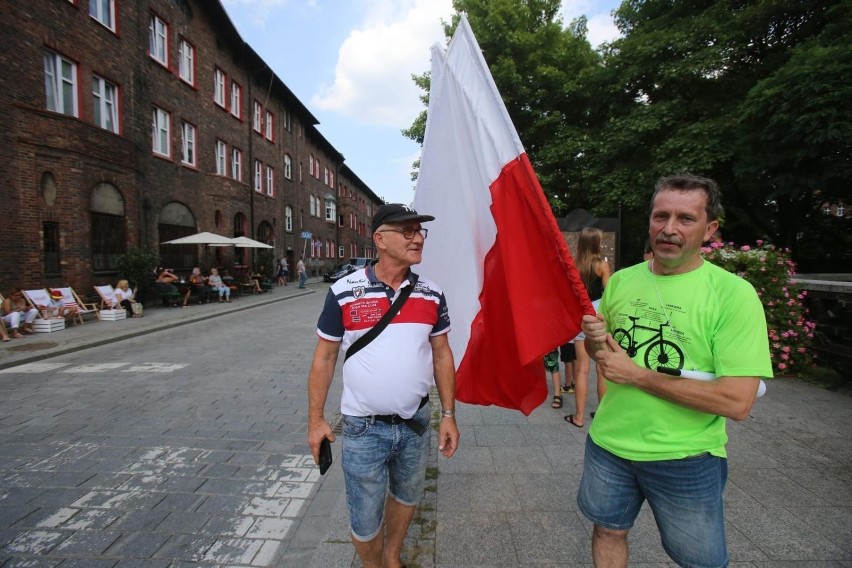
[(689, 182)]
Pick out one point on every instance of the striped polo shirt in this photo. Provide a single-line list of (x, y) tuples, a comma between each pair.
[(394, 371)]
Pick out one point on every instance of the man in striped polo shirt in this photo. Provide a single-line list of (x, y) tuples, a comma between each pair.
[(385, 385)]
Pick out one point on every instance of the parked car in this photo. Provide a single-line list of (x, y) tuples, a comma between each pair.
[(345, 269)]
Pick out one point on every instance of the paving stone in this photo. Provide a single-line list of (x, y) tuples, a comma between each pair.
[(86, 543), (140, 520), (190, 548), (183, 523), (138, 544), (224, 525), (180, 501), (36, 542)]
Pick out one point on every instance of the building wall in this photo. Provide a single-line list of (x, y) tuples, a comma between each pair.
[(80, 155)]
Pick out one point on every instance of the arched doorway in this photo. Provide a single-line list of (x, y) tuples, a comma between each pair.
[(176, 221), (108, 227)]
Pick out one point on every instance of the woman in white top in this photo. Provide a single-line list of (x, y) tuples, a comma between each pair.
[(124, 295), (215, 282)]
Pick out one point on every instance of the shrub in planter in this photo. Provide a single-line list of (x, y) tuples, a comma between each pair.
[(770, 271)]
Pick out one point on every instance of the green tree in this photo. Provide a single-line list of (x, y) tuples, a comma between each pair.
[(749, 92)]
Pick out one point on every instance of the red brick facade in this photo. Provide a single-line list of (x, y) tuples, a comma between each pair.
[(61, 170)]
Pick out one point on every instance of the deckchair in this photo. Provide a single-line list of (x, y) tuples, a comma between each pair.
[(73, 301), (110, 309), (45, 322)]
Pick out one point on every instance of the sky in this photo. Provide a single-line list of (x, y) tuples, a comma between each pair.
[(350, 62)]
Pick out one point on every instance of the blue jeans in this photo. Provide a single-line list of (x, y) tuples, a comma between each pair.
[(303, 278), (378, 459), (685, 496)]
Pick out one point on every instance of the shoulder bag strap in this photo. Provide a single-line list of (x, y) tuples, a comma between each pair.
[(365, 339)]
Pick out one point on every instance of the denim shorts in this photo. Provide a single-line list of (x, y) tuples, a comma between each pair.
[(685, 496), (378, 459)]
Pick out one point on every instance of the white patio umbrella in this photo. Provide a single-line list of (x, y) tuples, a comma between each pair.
[(202, 239), (249, 243)]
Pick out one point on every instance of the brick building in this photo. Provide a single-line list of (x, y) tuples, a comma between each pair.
[(130, 123)]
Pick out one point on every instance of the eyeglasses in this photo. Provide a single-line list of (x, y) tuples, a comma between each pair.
[(408, 232)]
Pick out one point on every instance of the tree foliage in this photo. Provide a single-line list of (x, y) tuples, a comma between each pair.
[(753, 93)]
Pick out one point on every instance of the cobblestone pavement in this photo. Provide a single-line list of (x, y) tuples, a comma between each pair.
[(178, 440)]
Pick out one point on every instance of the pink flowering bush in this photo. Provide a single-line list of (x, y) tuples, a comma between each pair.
[(770, 271)]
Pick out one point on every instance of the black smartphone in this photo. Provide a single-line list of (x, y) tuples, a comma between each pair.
[(324, 456)]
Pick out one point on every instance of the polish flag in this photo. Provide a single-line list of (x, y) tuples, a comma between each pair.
[(495, 248)]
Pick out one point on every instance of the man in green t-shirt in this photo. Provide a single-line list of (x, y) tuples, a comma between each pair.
[(658, 436)]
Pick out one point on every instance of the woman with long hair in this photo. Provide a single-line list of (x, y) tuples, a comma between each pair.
[(595, 272)]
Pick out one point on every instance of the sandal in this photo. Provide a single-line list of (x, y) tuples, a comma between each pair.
[(568, 388), (5, 339), (557, 402), (570, 420)]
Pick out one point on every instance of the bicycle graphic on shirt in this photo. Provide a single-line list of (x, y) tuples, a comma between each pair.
[(660, 353)]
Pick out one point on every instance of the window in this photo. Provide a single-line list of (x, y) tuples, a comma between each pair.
[(236, 164), (340, 251), (313, 206), (60, 82), (270, 181), (236, 96), (103, 11), (158, 33), (330, 209), (258, 174), (221, 152), (325, 176), (160, 131), (288, 219), (826, 209), (331, 179), (187, 151), (108, 227), (258, 125), (841, 210), (186, 61), (311, 165), (340, 221), (288, 166), (270, 129), (104, 99), (51, 247), (288, 126), (317, 170), (219, 87)]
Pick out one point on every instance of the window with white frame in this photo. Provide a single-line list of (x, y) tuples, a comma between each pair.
[(158, 33), (288, 125), (60, 82), (288, 166), (186, 61), (311, 164), (331, 179), (236, 164), (330, 209), (313, 206), (340, 251), (270, 127), (105, 104), (258, 118), (270, 181), (103, 11), (328, 249), (317, 169), (258, 176), (187, 154), (826, 209), (288, 219), (325, 176), (161, 132), (219, 87), (340, 221), (221, 152), (236, 100), (840, 211)]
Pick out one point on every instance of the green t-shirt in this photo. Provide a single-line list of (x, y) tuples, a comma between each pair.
[(705, 320)]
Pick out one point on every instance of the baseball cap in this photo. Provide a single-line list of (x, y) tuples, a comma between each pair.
[(396, 213), (56, 294)]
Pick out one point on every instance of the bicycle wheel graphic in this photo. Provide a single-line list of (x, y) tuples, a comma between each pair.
[(623, 339), (664, 354)]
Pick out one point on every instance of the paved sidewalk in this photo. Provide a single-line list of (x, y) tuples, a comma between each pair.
[(93, 333), (508, 497)]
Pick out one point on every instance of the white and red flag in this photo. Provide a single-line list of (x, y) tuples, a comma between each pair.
[(495, 248)]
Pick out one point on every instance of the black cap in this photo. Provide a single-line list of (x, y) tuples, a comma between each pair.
[(396, 213)]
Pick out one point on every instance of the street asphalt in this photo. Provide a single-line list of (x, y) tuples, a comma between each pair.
[(162, 469)]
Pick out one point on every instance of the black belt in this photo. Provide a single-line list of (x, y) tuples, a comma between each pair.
[(415, 426)]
